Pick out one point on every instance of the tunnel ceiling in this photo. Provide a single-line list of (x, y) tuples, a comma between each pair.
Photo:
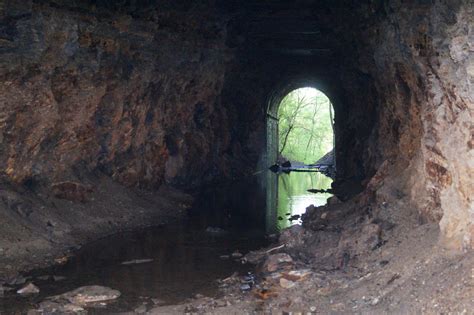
[(280, 27)]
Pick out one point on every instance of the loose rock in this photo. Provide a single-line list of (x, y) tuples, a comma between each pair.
[(29, 289), (276, 261), (287, 284), (88, 294)]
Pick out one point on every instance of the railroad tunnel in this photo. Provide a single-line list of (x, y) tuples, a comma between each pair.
[(117, 115)]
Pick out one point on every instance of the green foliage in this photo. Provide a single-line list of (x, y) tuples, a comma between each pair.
[(305, 131)]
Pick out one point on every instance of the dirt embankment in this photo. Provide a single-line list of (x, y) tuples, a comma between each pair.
[(42, 226), (350, 258)]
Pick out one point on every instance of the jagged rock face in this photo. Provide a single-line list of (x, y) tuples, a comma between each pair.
[(128, 91), (419, 59)]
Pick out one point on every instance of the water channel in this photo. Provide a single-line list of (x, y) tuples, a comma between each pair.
[(185, 257)]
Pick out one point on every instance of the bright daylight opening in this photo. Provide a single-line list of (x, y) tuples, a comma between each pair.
[(305, 150)]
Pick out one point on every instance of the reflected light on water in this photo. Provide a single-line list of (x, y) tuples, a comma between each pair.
[(293, 197)]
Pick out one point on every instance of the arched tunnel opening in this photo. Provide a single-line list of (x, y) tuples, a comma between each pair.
[(300, 134), (137, 141)]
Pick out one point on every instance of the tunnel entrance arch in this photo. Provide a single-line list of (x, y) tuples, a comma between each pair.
[(273, 153)]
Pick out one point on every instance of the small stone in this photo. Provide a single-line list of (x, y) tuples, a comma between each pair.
[(224, 257), (287, 284), (88, 294), (275, 261), (157, 301), (313, 308), (236, 254), (297, 275), (140, 310), (375, 301), (28, 289), (245, 287), (58, 278)]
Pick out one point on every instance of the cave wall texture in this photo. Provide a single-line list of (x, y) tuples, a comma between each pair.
[(172, 92), (419, 59), (98, 85), (400, 76)]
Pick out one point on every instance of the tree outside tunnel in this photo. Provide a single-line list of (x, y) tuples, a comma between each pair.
[(305, 125), (302, 132)]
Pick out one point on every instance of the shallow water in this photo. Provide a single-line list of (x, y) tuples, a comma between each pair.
[(186, 262), (186, 258), (294, 198)]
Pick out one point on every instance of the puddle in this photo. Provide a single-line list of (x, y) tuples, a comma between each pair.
[(294, 198), (186, 261)]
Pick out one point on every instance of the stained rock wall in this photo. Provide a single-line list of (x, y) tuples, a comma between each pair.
[(418, 58), (131, 91)]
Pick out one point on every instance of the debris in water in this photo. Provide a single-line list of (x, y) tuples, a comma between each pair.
[(30, 288), (137, 261), (321, 191), (88, 294), (215, 230), (236, 254), (294, 217)]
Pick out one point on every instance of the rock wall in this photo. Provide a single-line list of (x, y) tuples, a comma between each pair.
[(128, 90), (418, 59)]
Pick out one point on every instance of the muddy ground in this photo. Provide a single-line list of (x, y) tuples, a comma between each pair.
[(350, 260), (345, 258), (43, 227)]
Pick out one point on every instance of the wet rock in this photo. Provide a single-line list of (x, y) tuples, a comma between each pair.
[(72, 191), (58, 278), (236, 254), (136, 261), (294, 217), (276, 261), (50, 307), (224, 257), (141, 309), (28, 289), (88, 294)]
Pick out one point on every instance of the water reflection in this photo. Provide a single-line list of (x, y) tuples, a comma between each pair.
[(293, 197)]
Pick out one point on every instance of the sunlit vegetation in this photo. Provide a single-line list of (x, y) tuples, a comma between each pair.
[(305, 128)]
